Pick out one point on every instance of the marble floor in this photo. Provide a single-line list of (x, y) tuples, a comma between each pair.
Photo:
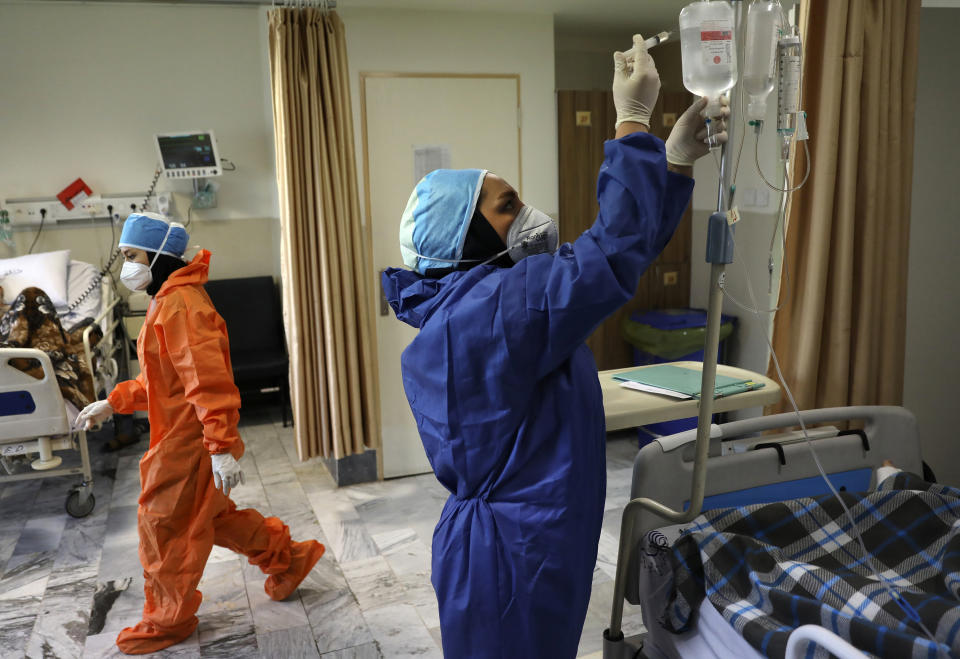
[(67, 586)]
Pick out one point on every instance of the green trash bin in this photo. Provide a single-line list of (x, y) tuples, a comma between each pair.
[(672, 335)]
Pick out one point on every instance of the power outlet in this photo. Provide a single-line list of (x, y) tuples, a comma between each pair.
[(763, 197), (123, 205), (30, 211), (91, 207), (753, 197)]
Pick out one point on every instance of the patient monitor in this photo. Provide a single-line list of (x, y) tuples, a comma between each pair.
[(189, 155)]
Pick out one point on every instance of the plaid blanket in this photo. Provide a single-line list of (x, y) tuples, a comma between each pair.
[(770, 568)]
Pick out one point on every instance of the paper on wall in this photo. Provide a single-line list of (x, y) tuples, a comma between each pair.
[(427, 158)]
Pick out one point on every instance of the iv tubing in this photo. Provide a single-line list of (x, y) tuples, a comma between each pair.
[(756, 160), (782, 213), (784, 268), (756, 145), (867, 556), (741, 54)]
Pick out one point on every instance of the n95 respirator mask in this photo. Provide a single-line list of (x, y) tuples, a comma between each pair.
[(532, 232)]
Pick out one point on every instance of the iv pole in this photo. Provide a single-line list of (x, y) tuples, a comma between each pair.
[(719, 254)]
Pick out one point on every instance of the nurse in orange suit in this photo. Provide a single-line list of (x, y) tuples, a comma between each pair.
[(186, 385)]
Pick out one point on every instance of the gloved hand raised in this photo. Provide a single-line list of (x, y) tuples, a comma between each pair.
[(687, 140), (93, 414), (636, 84), (227, 473)]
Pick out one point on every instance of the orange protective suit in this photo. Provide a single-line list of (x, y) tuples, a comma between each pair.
[(186, 385)]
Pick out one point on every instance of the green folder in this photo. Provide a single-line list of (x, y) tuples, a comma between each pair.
[(685, 380)]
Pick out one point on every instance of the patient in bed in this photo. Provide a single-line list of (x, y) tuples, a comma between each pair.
[(769, 568), (32, 322)]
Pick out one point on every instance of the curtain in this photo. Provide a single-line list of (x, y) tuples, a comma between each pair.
[(326, 302), (840, 336)]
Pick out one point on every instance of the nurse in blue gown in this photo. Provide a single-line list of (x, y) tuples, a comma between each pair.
[(503, 389)]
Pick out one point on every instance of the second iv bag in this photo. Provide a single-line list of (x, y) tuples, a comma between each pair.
[(709, 50), (759, 65)]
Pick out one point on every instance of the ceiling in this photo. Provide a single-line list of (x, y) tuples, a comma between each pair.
[(573, 17), (570, 16), (589, 15)]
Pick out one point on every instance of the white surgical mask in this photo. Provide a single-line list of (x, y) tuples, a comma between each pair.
[(135, 276), (532, 232)]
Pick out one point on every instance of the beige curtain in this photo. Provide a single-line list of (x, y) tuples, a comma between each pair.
[(840, 338), (326, 300)]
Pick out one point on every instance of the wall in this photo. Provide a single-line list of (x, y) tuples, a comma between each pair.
[(87, 100), (933, 286), (256, 254), (89, 105), (585, 61), (387, 40)]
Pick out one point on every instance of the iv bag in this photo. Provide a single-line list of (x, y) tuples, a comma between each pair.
[(709, 51), (763, 28)]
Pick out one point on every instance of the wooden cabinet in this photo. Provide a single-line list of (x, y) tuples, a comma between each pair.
[(585, 121)]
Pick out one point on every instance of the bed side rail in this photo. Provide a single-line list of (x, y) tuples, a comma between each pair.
[(29, 407), (105, 377), (800, 640)]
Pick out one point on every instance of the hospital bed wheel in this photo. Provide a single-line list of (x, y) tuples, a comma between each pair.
[(75, 509)]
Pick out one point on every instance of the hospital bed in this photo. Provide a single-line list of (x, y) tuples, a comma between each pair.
[(34, 417), (752, 461)]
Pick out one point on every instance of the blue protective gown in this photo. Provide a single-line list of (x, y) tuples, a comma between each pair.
[(506, 398)]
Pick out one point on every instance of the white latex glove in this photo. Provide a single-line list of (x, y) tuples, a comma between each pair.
[(93, 414), (227, 473), (636, 84), (688, 138)]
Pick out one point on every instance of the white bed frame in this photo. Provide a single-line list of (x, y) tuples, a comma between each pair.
[(44, 426), (664, 468), (106, 350)]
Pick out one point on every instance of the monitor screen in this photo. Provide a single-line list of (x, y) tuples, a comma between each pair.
[(187, 151)]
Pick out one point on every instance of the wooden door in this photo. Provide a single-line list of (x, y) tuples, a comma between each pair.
[(666, 284)]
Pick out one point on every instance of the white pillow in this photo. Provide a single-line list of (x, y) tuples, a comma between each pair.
[(80, 277), (47, 271)]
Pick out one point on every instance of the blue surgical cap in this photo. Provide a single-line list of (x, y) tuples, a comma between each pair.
[(147, 231), (435, 222)]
